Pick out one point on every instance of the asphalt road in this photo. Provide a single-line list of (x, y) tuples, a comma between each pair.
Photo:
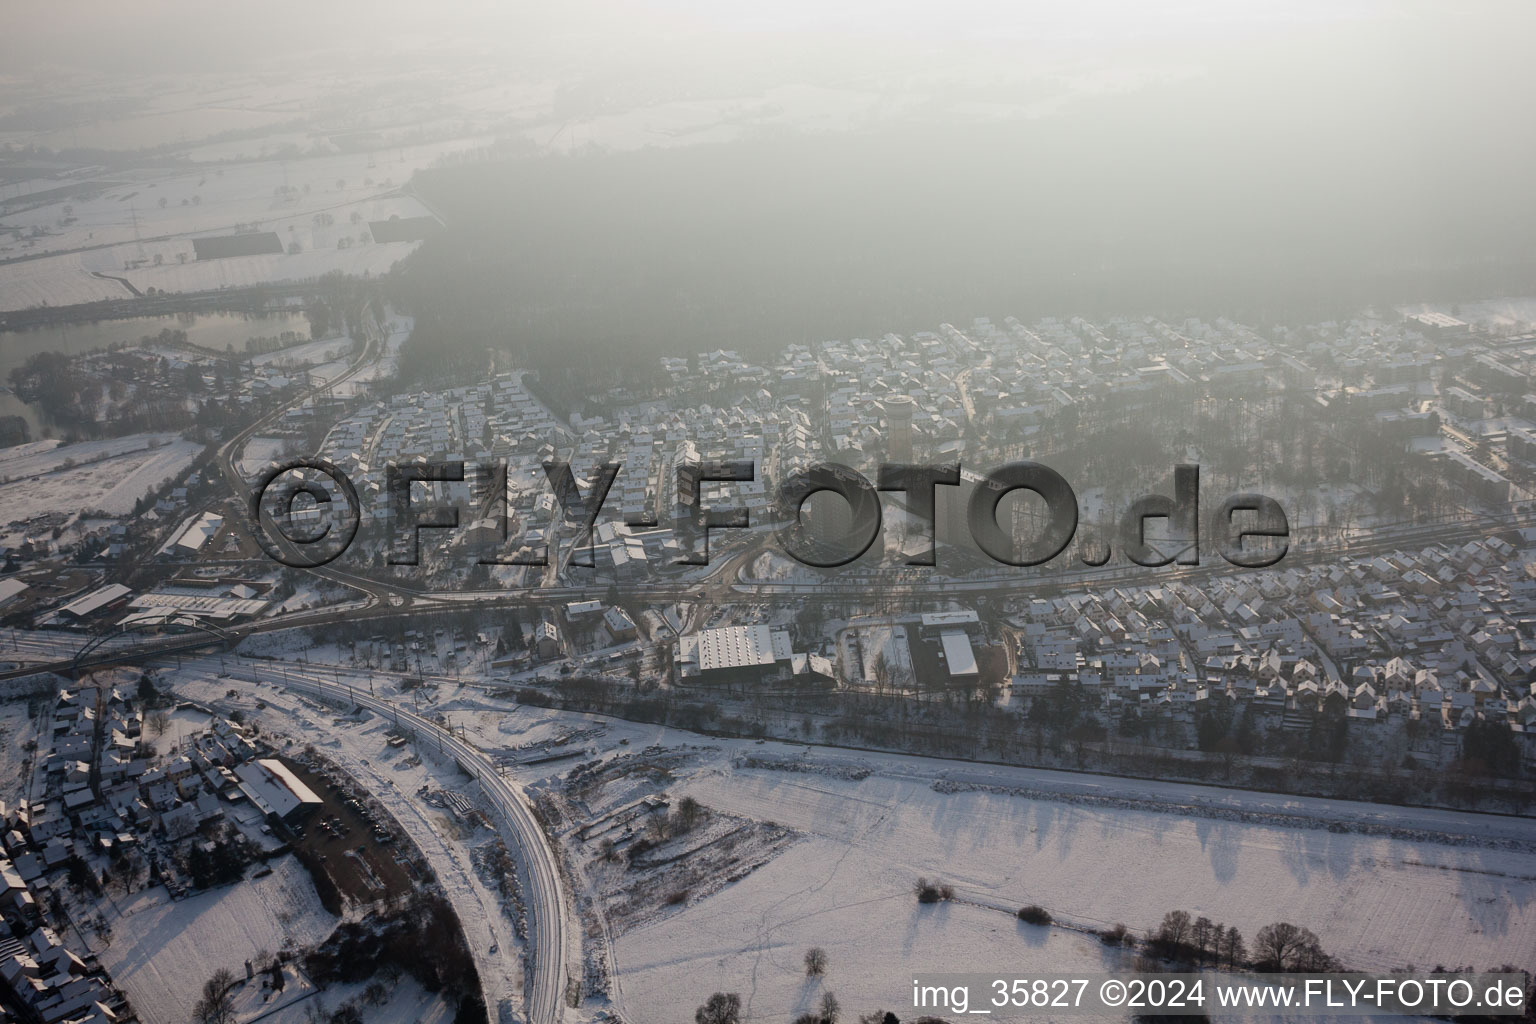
[(548, 927)]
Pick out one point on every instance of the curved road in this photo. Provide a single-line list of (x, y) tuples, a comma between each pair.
[(548, 931)]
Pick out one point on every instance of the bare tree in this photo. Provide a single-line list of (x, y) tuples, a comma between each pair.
[(1173, 933), (1204, 935), (216, 1006), (882, 672), (689, 812), (815, 962), (1283, 946), (721, 1008), (1233, 950)]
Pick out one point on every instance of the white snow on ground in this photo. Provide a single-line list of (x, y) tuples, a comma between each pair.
[(128, 209), (259, 452), (162, 950), (24, 645), (326, 372), (399, 330), (107, 475), (55, 281), (91, 275), (17, 729), (751, 937), (245, 271), (393, 779), (409, 1003), (309, 594), (1376, 902), (309, 353), (1383, 886), (38, 457)]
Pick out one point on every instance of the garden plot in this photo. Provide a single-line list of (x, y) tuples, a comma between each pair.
[(645, 856)]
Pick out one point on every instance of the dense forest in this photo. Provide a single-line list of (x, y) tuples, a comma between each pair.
[(1214, 194)]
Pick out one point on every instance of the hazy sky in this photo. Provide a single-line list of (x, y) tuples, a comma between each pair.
[(154, 35)]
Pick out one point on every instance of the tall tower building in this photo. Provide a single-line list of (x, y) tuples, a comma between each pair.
[(898, 415)]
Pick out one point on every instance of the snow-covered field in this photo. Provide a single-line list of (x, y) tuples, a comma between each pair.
[(17, 729), (162, 950), (1375, 902), (245, 271), (107, 475), (310, 353), (259, 452), (71, 278), (63, 280), (408, 1003), (128, 210), (1383, 886), (751, 937), (359, 383), (140, 224)]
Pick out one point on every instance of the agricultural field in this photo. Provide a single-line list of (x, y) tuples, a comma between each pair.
[(109, 476), (1382, 888)]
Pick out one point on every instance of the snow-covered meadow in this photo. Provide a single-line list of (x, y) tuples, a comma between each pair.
[(1384, 887), (162, 950), (1093, 851), (108, 475)]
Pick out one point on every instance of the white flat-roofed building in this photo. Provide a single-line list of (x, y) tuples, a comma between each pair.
[(274, 789), (197, 533), (732, 651), (204, 606), (939, 622), (1521, 444), (958, 655), (734, 647)]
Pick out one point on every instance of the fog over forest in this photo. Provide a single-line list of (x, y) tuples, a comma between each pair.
[(1296, 174)]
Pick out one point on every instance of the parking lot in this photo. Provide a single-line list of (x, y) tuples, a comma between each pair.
[(354, 846)]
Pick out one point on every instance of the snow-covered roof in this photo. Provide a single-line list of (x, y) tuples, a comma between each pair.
[(273, 788), (957, 653), (10, 588), (96, 600)]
